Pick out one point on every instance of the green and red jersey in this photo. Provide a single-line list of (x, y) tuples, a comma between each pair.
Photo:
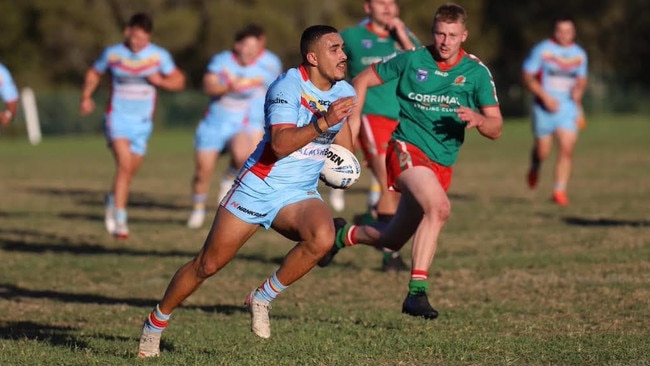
[(429, 94)]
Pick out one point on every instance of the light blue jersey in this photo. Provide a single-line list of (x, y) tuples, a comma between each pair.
[(8, 90), (238, 111), (266, 184), (558, 69), (133, 99)]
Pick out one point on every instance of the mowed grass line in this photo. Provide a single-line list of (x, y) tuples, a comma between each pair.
[(516, 279)]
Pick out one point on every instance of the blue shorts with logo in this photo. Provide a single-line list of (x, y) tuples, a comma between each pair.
[(256, 202), (136, 130)]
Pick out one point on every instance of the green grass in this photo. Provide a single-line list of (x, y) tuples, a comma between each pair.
[(517, 280)]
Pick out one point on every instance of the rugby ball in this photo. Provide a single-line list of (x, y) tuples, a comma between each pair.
[(341, 168)]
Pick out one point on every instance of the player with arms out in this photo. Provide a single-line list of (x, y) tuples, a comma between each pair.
[(443, 91), (555, 72), (236, 81), (9, 95), (136, 68), (306, 110), (383, 35)]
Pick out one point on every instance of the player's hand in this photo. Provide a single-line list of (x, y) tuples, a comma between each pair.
[(86, 106), (339, 110), (156, 79), (471, 118), (551, 104), (395, 24)]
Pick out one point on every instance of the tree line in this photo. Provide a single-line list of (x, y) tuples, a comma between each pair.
[(49, 44)]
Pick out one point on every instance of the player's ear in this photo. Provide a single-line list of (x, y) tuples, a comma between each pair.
[(312, 59)]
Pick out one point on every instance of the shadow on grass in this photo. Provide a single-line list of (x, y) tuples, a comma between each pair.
[(581, 221), (133, 219), (54, 335), (39, 242), (12, 292), (95, 198), (58, 336)]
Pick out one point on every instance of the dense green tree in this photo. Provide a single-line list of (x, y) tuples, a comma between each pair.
[(49, 44)]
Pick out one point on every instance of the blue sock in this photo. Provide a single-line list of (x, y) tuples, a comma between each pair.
[(120, 215)]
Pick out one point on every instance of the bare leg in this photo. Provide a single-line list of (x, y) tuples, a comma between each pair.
[(566, 142), (226, 237), (127, 165)]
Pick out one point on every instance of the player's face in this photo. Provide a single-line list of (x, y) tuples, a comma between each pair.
[(564, 33), (447, 39), (332, 61), (381, 11), (248, 49), (136, 38)]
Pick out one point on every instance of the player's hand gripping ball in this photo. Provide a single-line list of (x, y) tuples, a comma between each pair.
[(341, 169)]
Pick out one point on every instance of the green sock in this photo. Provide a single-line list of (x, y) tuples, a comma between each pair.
[(417, 286), (339, 240)]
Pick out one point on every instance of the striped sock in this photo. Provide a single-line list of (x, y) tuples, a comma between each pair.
[(270, 289), (418, 282), (345, 236), (156, 321)]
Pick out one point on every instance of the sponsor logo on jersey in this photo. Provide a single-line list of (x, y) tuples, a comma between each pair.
[(278, 100), (441, 73), (429, 98), (460, 80), (366, 43), (422, 75)]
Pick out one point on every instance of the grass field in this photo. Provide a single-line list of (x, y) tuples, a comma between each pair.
[(517, 280)]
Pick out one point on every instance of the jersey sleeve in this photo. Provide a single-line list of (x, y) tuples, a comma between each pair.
[(273, 68), (391, 68), (101, 64), (486, 92), (167, 64), (582, 70), (533, 62), (282, 103), (217, 66), (8, 90)]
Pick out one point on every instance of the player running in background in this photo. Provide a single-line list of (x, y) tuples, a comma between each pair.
[(555, 72), (382, 35), (442, 92), (9, 95), (236, 81), (305, 111), (136, 68)]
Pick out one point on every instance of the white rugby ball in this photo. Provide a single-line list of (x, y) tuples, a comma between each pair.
[(341, 169)]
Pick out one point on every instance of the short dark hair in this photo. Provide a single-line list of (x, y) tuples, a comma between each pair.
[(563, 18), (251, 30), (142, 21), (311, 35)]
